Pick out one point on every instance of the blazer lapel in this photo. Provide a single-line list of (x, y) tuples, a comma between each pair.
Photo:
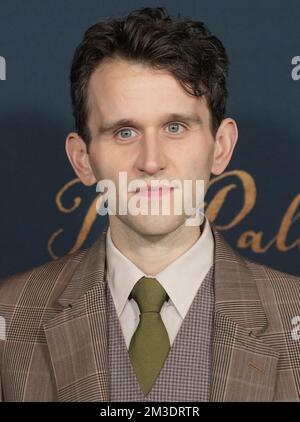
[(77, 336), (243, 365)]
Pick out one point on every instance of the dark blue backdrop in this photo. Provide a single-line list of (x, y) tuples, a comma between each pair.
[(37, 41)]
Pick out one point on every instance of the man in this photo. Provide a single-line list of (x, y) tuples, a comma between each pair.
[(156, 309)]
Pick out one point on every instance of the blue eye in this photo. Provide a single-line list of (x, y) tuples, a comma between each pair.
[(126, 133), (174, 127)]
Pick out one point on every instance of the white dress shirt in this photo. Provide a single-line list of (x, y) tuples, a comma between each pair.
[(181, 280)]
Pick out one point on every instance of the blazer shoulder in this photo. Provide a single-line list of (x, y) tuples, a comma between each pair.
[(283, 284), (270, 272), (47, 275)]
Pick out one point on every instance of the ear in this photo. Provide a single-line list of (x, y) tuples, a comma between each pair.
[(76, 150), (225, 141)]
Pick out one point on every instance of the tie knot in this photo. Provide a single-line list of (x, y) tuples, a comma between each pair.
[(149, 294)]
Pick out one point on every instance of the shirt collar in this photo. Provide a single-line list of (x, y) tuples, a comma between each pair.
[(188, 270)]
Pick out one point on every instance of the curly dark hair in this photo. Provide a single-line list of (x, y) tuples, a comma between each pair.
[(185, 48)]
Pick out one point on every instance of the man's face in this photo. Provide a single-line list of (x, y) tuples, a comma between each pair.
[(152, 144)]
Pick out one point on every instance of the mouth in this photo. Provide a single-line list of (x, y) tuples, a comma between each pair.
[(154, 191)]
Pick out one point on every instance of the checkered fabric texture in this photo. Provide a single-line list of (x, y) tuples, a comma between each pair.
[(185, 375)]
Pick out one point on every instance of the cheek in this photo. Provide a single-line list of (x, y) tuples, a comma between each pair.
[(202, 156), (109, 169), (102, 162), (99, 168), (196, 163)]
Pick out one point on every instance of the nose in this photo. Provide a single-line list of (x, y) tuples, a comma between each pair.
[(151, 158)]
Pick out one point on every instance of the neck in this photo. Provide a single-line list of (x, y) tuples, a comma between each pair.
[(152, 253)]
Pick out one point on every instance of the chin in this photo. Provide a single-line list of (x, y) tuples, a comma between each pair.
[(155, 225)]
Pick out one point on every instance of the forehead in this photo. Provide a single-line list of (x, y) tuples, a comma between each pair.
[(118, 85)]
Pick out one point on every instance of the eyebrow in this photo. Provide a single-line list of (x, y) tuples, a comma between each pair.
[(191, 118)]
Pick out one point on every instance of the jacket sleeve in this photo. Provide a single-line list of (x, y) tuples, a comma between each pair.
[(1, 395), (1, 392), (2, 343)]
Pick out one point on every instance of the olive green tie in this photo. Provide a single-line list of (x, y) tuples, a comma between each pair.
[(150, 343)]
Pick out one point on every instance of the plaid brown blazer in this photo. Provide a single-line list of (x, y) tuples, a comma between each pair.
[(56, 330)]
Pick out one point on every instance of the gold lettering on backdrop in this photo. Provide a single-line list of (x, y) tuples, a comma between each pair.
[(215, 205), (77, 201), (87, 222), (253, 239), (286, 223), (249, 239)]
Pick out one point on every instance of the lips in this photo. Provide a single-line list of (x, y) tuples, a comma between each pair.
[(154, 191)]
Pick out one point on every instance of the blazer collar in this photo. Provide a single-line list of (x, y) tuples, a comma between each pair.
[(88, 273), (236, 291), (244, 365), (77, 335)]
